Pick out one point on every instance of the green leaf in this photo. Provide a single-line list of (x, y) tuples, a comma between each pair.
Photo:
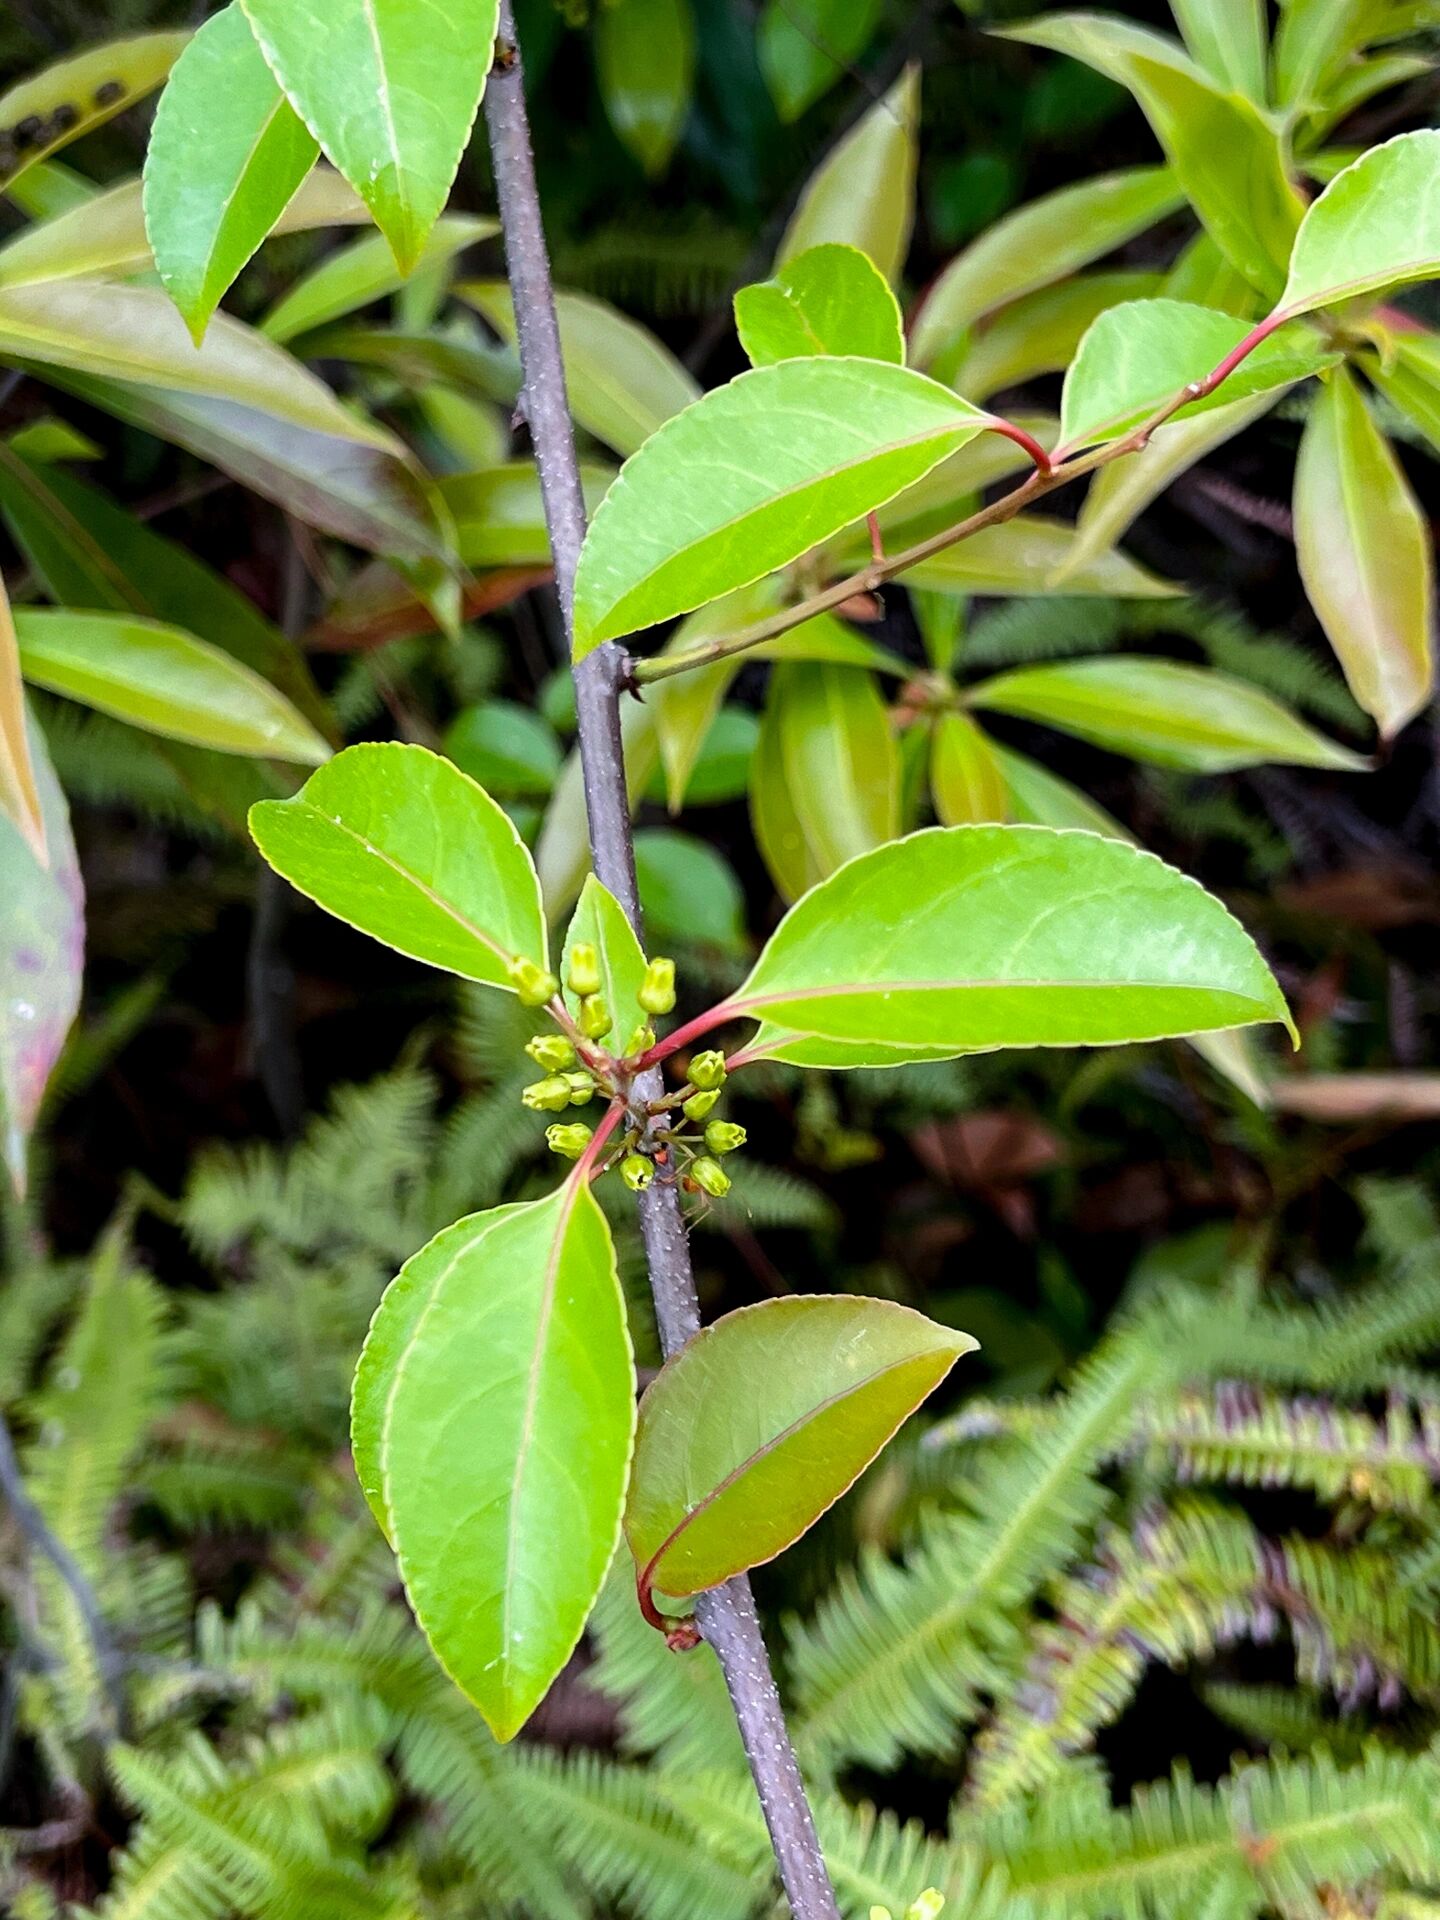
[(971, 938), (751, 477), (562, 850), (1039, 333), (505, 748), (492, 1426), (1138, 356), (1228, 39), (721, 769), (1406, 369), (163, 680), (389, 92), (42, 948), (623, 384), (805, 46), (832, 299), (863, 193), (74, 96), (825, 783), (689, 891), (19, 793), (1203, 276), (1039, 798), (399, 843), (1365, 554), (645, 63), (1224, 151), (1376, 225), (966, 778), (1035, 555), (762, 1421), (1041, 243), (363, 272), (226, 155), (600, 919), (1170, 715), (500, 517)]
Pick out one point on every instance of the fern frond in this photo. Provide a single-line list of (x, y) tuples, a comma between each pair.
[(1357, 1631), (769, 1199), (1281, 1717), (242, 1480)]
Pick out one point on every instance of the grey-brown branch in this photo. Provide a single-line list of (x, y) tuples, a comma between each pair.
[(727, 1617)]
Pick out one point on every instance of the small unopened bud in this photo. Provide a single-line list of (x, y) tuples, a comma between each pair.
[(927, 1907), (723, 1136), (700, 1104), (710, 1177), (657, 989), (568, 1141), (582, 1088), (582, 969), (595, 1021), (533, 984), (640, 1041), (707, 1070), (551, 1051), (547, 1096), (637, 1172)]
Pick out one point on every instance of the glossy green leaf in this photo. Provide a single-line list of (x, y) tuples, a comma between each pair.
[(1313, 40), (1366, 557), (1041, 243), (226, 154), (492, 1426), (825, 784), (500, 517), (1170, 715), (966, 778), (1376, 225), (1203, 276), (623, 384), (63, 102), (721, 769), (400, 844), (1137, 357), (950, 491), (390, 92), (163, 680), (46, 438), (1224, 150), (1407, 372), (645, 63), (19, 793), (562, 851), (505, 748), (1039, 333), (805, 46), (1035, 555), (762, 1421), (42, 948), (831, 299), (48, 189), (689, 891), (1039, 798), (971, 938), (1228, 39), (751, 477), (363, 272), (599, 919), (863, 193)]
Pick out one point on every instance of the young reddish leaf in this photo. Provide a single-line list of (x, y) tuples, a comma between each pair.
[(19, 795), (762, 1421)]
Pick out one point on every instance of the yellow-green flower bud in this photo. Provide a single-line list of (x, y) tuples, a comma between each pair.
[(569, 1141), (595, 1021), (657, 989), (723, 1136), (927, 1907), (700, 1104), (533, 984), (637, 1172), (552, 1051), (711, 1176), (582, 969), (640, 1041), (707, 1070), (547, 1096), (582, 1088)]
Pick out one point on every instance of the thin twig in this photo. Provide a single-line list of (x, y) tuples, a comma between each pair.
[(727, 1616)]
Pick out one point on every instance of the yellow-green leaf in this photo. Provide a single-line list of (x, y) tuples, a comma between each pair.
[(830, 299), (863, 193), (19, 794), (966, 777), (645, 63), (61, 103), (1376, 225)]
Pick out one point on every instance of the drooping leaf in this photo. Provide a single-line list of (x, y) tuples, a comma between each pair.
[(562, 850), (805, 46), (762, 1421), (1376, 225), (1406, 369), (1165, 713), (42, 947), (1040, 332), (492, 1425), (500, 517), (971, 938), (966, 777), (1035, 554), (863, 193), (752, 476), (1365, 555), (396, 841), (163, 680), (389, 92), (363, 272), (505, 748), (226, 154), (831, 299), (689, 891), (63, 102), (1138, 356), (600, 919), (1225, 152), (19, 793), (645, 63), (1041, 243), (721, 772), (1227, 38), (1039, 798), (1204, 277), (623, 384)]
